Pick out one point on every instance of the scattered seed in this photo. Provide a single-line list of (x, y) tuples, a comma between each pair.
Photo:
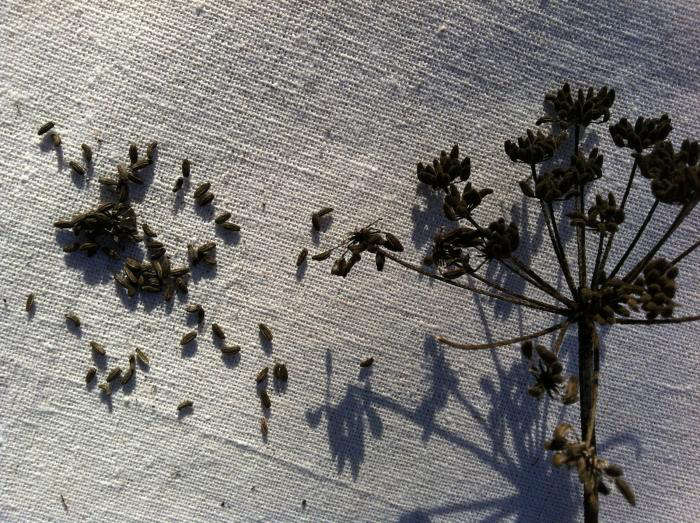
[(132, 361), (316, 217), (265, 331), (265, 399), (133, 153), (204, 200), (114, 374), (218, 331), (192, 252), (79, 169), (181, 284), (261, 375), (87, 152), (186, 168), (45, 128), (148, 231), (29, 304), (366, 363), (231, 227), (56, 139), (206, 247), (143, 358), (151, 151), (201, 190), (223, 217), (140, 164), (73, 318), (178, 184), (302, 256), (231, 349), (126, 377), (188, 337), (90, 374), (279, 371), (106, 388), (99, 349), (185, 404), (195, 308), (263, 427), (122, 172), (323, 255)]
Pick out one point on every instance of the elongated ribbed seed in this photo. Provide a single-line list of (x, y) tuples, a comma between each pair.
[(114, 374), (140, 164), (133, 153), (223, 217), (265, 399), (73, 318), (143, 358), (205, 199), (205, 248), (87, 152), (233, 227), (262, 374), (98, 348), (90, 374), (186, 168), (77, 168), (188, 337), (56, 139), (265, 331), (201, 189), (185, 404), (279, 371), (151, 151), (178, 184), (128, 374), (263, 427), (367, 362), (106, 388), (45, 128), (302, 256), (231, 349), (218, 331), (322, 255), (29, 304), (132, 361), (148, 231)]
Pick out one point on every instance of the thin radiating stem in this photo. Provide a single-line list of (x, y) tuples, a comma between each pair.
[(634, 241), (685, 211), (560, 337), (660, 321), (516, 299), (548, 288), (685, 253), (596, 267), (486, 346)]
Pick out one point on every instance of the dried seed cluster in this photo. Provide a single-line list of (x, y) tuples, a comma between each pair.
[(645, 133), (584, 110), (548, 375), (604, 216), (675, 176), (204, 253), (533, 148), (154, 276)]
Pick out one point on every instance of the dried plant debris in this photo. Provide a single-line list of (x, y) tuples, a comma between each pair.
[(366, 363), (187, 338), (316, 217), (265, 332), (186, 404), (29, 303)]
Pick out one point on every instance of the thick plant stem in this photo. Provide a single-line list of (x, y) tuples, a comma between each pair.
[(585, 374)]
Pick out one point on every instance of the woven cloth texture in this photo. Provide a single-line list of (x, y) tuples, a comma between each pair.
[(286, 107)]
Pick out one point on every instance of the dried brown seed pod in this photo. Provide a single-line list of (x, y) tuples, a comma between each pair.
[(90, 374), (185, 405), (142, 356), (231, 349), (29, 304), (218, 331), (114, 374), (223, 217), (45, 128), (98, 348), (322, 255), (77, 168), (201, 190), (188, 337), (302, 256), (366, 363), (265, 332), (233, 227), (261, 375), (87, 152), (265, 399), (207, 198), (186, 165)]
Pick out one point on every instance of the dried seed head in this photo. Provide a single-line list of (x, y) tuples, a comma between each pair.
[(201, 190), (128, 374), (45, 128), (231, 349), (263, 427), (626, 490), (114, 374), (185, 405), (188, 337), (279, 371), (178, 184), (151, 151), (265, 399), (186, 168), (29, 304), (262, 374), (56, 139), (77, 168), (73, 318), (302, 256), (223, 217), (133, 153), (106, 388), (366, 363), (233, 227), (265, 332), (98, 348), (323, 255), (218, 331), (90, 374), (143, 358), (87, 152)]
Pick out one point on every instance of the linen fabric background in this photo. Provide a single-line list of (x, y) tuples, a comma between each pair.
[(286, 107)]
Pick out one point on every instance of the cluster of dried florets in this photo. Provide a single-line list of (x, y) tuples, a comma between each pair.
[(604, 216), (675, 176), (584, 110), (548, 375), (534, 148), (571, 452), (445, 170)]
